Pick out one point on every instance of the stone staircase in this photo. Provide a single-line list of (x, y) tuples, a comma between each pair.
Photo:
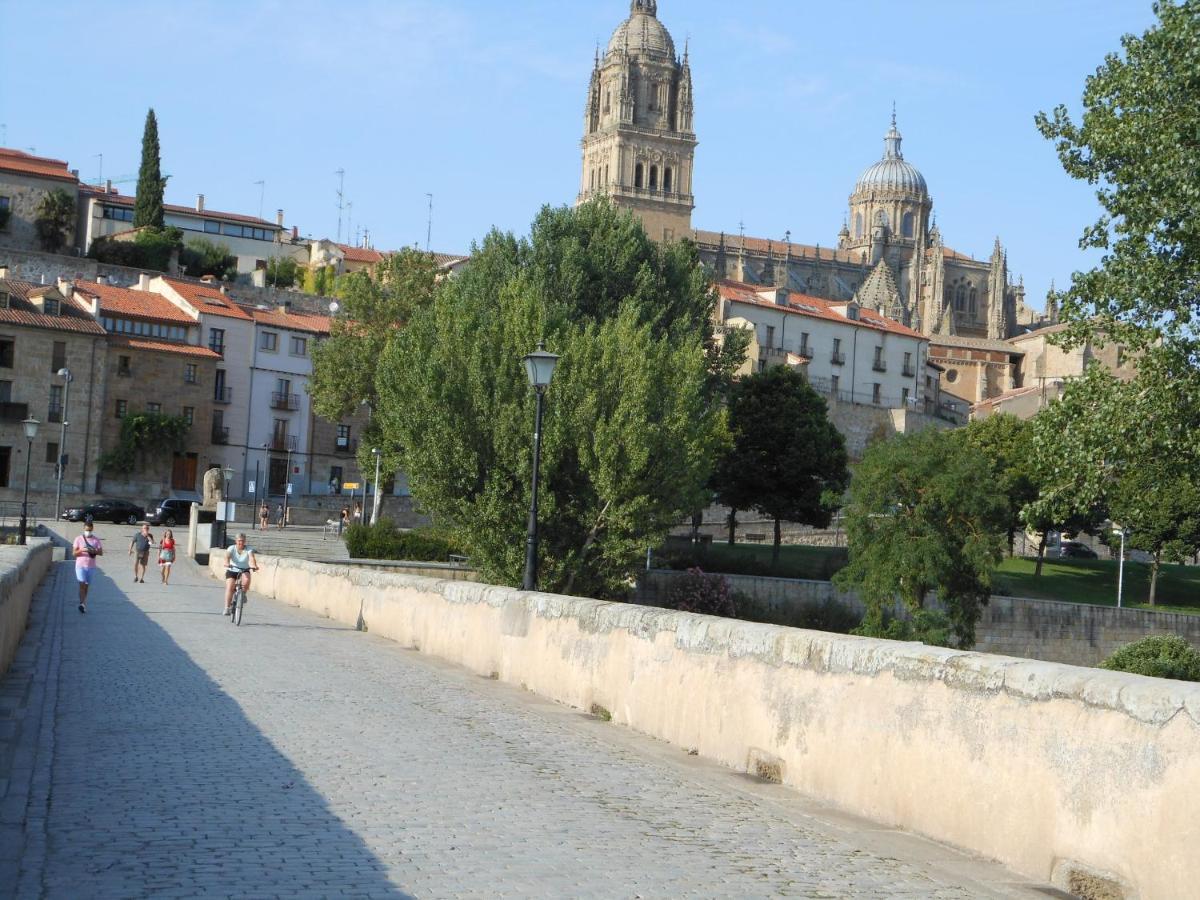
[(295, 542)]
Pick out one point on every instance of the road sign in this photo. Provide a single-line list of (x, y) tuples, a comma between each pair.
[(251, 488), (289, 489), (351, 486)]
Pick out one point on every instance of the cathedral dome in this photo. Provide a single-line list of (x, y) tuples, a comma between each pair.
[(892, 172), (642, 33)]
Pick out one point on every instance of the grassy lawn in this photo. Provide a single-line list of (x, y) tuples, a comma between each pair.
[(1095, 581)]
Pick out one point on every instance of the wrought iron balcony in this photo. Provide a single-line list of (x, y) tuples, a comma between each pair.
[(837, 358), (879, 365), (345, 445), (223, 396), (220, 435), (282, 443), (909, 372), (290, 402)]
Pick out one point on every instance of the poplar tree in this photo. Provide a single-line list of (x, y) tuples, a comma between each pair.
[(148, 204)]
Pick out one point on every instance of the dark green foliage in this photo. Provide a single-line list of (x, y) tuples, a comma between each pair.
[(151, 249), (925, 515), (787, 461), (383, 540), (704, 593), (144, 436), (282, 272), (925, 625), (829, 615), (1007, 443), (1158, 656), (200, 257), (55, 220), (148, 203), (811, 563)]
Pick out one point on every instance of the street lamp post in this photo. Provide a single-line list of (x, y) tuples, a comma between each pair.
[(287, 488), (1120, 566), (31, 426), (65, 374), (539, 366), (375, 505), (227, 474)]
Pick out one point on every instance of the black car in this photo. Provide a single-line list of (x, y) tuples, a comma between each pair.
[(119, 512), (171, 512), (1075, 550)]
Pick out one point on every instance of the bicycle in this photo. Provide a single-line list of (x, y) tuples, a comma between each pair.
[(238, 603)]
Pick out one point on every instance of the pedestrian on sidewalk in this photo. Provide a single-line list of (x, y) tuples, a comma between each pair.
[(166, 556), (85, 550), (344, 520), (264, 516), (279, 516), (142, 542)]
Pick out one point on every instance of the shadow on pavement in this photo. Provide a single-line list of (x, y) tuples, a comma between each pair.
[(161, 785)]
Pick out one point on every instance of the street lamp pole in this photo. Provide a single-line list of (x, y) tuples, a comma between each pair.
[(287, 488), (65, 373), (31, 426), (1121, 568), (540, 368), (375, 505)]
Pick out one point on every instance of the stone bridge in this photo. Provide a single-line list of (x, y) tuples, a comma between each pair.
[(148, 748)]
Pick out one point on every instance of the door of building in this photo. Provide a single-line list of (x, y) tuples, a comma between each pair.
[(278, 476), (183, 472), (5, 462)]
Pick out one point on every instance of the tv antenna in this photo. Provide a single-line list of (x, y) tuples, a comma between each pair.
[(429, 224), (262, 192), (100, 173), (341, 174), (350, 222)]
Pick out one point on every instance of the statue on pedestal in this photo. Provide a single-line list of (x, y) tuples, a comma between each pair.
[(214, 488)]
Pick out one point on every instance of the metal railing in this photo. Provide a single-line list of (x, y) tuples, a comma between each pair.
[(290, 402), (908, 371), (837, 358), (217, 348), (879, 365), (223, 396), (345, 445), (282, 442), (220, 435), (10, 514)]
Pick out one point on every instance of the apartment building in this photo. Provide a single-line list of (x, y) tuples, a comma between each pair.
[(42, 334), (25, 180)]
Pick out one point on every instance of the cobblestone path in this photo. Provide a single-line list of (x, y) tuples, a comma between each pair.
[(156, 751)]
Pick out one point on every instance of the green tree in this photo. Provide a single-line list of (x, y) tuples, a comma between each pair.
[(282, 272), (143, 437), (54, 220), (925, 515), (1159, 656), (201, 257), (787, 460), (148, 202), (1007, 443), (632, 426), (1158, 502), (1138, 141)]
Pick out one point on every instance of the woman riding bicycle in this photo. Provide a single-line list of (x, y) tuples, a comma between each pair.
[(240, 561)]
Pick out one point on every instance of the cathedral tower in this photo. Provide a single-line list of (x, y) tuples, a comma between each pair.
[(639, 140)]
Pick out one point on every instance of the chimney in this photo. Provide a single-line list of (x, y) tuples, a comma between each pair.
[(258, 278), (3, 271), (143, 281), (199, 203), (279, 217), (222, 290), (65, 287), (295, 232), (108, 186)]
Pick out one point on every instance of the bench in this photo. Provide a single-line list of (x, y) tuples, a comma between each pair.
[(754, 537)]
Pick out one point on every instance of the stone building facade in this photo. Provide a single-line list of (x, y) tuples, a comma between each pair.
[(25, 181)]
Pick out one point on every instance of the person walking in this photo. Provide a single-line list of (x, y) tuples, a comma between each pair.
[(85, 550), (264, 516), (166, 556), (279, 516), (141, 543), (344, 520)]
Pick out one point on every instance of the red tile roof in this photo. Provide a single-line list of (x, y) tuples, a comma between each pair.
[(126, 302), (123, 200), (813, 307), (360, 254), (164, 347), (207, 298), (38, 166), (312, 324), (21, 312), (449, 259)]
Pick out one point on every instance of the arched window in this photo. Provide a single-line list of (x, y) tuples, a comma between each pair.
[(607, 101), (960, 298), (593, 179), (972, 301), (654, 178), (638, 175), (906, 226), (881, 217), (606, 174), (858, 225), (667, 179)]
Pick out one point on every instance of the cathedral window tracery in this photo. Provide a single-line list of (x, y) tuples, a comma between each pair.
[(638, 176), (654, 178), (667, 179), (906, 227)]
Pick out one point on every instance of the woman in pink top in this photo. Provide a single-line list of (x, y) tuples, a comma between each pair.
[(85, 549), (166, 556)]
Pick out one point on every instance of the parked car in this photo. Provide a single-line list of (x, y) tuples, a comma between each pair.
[(119, 512), (170, 512), (1075, 550)]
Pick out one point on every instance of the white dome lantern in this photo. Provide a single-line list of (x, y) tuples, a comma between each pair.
[(642, 33), (892, 172)]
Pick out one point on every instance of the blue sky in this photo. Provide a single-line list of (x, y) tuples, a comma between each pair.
[(480, 103)]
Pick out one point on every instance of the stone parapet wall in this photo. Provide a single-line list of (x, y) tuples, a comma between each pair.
[(21, 570), (1049, 630), (1061, 773)]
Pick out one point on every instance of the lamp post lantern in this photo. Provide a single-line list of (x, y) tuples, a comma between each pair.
[(375, 504), (539, 366), (67, 377), (31, 426)]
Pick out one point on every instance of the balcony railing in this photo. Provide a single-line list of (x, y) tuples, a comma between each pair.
[(54, 414), (220, 435), (879, 365), (345, 445), (223, 396), (290, 402), (909, 372), (217, 348), (281, 443), (837, 358), (14, 412), (125, 371)]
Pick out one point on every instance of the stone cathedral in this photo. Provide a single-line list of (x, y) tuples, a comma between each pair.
[(639, 145)]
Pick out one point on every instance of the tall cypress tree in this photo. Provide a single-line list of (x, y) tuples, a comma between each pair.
[(148, 205)]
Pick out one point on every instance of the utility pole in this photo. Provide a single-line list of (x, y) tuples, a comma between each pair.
[(262, 192), (429, 224), (341, 174)]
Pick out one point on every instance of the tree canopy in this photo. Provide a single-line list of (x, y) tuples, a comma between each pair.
[(632, 426), (1007, 443), (148, 202), (1138, 141), (787, 460), (55, 218), (925, 515)]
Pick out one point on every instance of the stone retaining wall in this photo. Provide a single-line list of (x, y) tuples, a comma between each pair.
[(1064, 774), (21, 570), (1074, 633)]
